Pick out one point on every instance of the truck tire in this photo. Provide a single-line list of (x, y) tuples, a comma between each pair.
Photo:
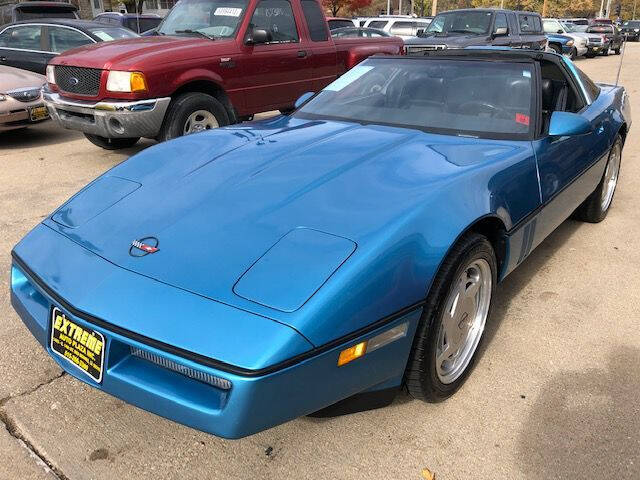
[(192, 112), (111, 143), (556, 48), (574, 53)]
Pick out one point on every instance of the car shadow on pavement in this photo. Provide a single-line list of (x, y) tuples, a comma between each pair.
[(585, 423), (37, 136)]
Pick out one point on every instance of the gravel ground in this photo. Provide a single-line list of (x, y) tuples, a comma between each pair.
[(554, 395)]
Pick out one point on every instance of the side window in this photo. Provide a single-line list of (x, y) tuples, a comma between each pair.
[(377, 24), (403, 28), (276, 17), (526, 23), (315, 21), (592, 89), (501, 22), (537, 23), (62, 39), (23, 38), (551, 26)]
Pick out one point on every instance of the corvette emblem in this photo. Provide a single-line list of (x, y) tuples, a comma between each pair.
[(144, 246)]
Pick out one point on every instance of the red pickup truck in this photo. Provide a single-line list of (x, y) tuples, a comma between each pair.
[(211, 63)]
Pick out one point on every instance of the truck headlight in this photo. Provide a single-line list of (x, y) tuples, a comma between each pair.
[(126, 82), (570, 43), (51, 74), (636, 29)]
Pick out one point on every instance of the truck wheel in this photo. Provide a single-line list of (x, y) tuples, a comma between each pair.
[(453, 320), (111, 143), (617, 50), (556, 48), (192, 113), (573, 54)]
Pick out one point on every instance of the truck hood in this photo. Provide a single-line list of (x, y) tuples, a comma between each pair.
[(215, 203), (138, 53)]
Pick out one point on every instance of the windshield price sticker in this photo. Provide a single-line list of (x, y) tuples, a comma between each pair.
[(348, 78), (227, 12)]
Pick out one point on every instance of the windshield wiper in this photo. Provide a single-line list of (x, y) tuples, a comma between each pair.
[(460, 31), (197, 32)]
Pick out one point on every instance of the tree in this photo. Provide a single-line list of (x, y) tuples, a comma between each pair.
[(346, 5)]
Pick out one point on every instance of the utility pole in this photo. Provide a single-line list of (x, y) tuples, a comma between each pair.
[(601, 7), (634, 9), (399, 7), (434, 8), (608, 11), (544, 9), (389, 7)]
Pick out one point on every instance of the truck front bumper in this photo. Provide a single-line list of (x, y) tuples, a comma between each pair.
[(109, 119)]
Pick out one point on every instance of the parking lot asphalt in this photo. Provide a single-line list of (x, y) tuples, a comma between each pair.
[(555, 393)]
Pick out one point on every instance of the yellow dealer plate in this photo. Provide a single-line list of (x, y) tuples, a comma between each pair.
[(81, 346), (38, 113)]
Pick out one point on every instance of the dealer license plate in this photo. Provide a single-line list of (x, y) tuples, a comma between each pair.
[(81, 346), (38, 113)]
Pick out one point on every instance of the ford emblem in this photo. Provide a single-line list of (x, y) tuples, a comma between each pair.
[(74, 81)]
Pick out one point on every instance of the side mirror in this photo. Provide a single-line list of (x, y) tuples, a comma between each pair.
[(420, 32), (560, 31), (564, 124), (501, 32), (303, 98), (257, 36)]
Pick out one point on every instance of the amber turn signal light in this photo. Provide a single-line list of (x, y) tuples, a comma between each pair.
[(349, 354)]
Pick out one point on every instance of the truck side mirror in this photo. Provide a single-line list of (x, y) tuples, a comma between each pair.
[(559, 31), (257, 36), (501, 32)]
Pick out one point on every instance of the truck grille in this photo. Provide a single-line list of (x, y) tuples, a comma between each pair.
[(421, 49), (82, 81), (594, 41)]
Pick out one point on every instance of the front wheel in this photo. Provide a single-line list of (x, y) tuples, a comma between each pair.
[(617, 50), (192, 112), (556, 48), (595, 208), (111, 143), (453, 320), (573, 54)]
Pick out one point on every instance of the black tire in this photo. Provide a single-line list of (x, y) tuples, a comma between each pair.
[(617, 50), (421, 377), (181, 108), (556, 48), (111, 143), (592, 209), (590, 54), (574, 53)]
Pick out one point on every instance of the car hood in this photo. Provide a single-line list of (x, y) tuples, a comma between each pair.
[(451, 41), (312, 195), (140, 52), (13, 78)]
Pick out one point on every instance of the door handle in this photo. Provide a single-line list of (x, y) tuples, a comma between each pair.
[(302, 53)]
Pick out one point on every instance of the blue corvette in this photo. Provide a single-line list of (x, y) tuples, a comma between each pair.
[(316, 263)]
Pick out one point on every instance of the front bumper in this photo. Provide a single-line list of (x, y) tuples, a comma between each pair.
[(17, 118), (109, 119), (253, 403)]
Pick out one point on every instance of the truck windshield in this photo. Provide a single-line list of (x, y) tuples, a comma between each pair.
[(454, 97), (211, 18), (461, 22)]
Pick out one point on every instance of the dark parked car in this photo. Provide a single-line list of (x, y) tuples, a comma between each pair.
[(363, 32), (480, 27), (631, 30), (132, 21), (32, 10), (611, 35), (30, 45)]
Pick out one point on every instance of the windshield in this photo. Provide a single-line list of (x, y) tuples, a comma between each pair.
[(552, 26), (456, 97), (32, 14), (141, 25), (107, 34), (212, 18), (461, 22), (569, 27), (631, 24)]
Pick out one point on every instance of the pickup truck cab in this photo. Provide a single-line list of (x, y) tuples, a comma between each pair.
[(212, 63), (480, 27)]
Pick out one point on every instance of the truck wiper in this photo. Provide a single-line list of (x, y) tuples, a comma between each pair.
[(197, 32)]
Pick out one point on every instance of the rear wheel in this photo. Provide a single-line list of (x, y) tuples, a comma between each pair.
[(111, 143), (556, 48), (595, 208), (192, 112), (453, 320)]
